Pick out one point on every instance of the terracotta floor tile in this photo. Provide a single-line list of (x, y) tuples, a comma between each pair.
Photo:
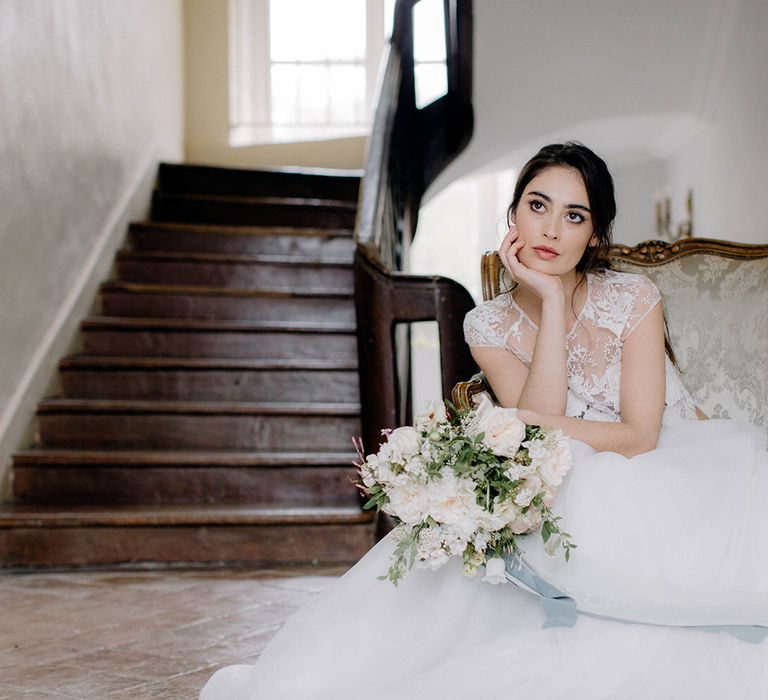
[(139, 634)]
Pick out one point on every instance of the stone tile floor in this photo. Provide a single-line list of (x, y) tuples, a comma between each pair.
[(129, 635)]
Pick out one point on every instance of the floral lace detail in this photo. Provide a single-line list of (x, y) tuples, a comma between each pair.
[(616, 304)]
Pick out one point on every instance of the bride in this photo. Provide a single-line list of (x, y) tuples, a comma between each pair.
[(668, 509)]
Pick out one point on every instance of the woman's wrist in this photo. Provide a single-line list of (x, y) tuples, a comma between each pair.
[(553, 303)]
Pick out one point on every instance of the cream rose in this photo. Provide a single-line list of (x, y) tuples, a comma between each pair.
[(403, 443), (502, 430), (408, 502)]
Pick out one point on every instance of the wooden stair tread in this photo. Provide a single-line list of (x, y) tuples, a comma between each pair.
[(12, 516), (204, 168), (51, 457), (240, 230), (239, 259), (256, 200), (140, 288), (61, 405), (240, 326), (108, 362)]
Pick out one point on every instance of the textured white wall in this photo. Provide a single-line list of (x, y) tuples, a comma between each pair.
[(723, 160), (91, 99), (672, 93)]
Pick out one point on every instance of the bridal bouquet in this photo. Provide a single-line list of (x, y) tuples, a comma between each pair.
[(467, 484)]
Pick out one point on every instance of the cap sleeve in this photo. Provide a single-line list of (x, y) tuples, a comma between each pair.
[(499, 324), (646, 296)]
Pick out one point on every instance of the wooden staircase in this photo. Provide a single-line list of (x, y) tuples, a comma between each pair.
[(209, 417)]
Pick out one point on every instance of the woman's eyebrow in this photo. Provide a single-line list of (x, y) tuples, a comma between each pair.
[(548, 199)]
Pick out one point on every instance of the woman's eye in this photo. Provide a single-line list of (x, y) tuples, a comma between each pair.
[(575, 217), (536, 205)]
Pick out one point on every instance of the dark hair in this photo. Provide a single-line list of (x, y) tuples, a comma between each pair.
[(598, 183), (602, 203)]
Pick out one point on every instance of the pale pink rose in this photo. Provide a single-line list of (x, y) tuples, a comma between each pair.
[(557, 464), (526, 523)]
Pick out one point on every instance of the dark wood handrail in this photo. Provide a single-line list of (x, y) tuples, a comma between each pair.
[(407, 150)]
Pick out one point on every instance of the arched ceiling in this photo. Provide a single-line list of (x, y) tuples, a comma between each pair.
[(634, 80)]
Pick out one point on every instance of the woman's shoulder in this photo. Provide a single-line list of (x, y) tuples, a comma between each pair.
[(622, 300), (618, 281), (491, 322), (492, 311)]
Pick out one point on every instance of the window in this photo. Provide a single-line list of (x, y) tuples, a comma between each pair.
[(304, 69)]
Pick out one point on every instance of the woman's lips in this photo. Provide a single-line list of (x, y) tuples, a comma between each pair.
[(545, 253)]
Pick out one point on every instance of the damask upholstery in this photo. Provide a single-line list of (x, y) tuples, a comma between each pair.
[(718, 326), (715, 296)]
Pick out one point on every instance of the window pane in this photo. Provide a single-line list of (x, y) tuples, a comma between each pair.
[(314, 95), (428, 31), (284, 84), (347, 94), (309, 30), (431, 82)]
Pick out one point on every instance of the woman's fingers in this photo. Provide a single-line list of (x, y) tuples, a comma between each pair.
[(508, 251)]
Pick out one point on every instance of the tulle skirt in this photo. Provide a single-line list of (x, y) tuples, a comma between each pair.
[(667, 541)]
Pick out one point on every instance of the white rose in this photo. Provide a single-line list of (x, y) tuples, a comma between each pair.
[(403, 443), (517, 471), (450, 497), (503, 431), (551, 457), (495, 571), (408, 502), (530, 487), (506, 511), (433, 415)]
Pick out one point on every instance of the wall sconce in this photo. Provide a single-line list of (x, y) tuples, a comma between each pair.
[(664, 218)]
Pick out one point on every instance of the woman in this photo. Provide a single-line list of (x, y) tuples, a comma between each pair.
[(671, 570)]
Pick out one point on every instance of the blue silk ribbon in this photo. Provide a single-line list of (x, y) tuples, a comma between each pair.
[(561, 610)]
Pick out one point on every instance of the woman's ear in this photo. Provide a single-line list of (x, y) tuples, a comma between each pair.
[(593, 241)]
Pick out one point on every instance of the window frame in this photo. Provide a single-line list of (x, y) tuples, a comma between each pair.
[(249, 77)]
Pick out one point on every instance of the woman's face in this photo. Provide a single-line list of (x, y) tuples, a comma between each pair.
[(554, 220)]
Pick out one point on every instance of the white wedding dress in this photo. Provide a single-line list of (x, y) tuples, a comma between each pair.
[(672, 543)]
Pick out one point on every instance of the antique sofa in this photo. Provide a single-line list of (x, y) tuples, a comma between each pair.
[(715, 296)]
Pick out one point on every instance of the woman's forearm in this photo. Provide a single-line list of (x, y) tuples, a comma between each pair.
[(546, 386), (624, 438)]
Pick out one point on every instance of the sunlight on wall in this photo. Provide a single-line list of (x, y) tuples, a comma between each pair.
[(455, 228), (459, 224)]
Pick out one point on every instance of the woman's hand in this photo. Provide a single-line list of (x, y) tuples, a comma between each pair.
[(541, 284)]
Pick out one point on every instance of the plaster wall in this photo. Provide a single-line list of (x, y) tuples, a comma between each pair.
[(671, 94), (91, 94), (723, 160)]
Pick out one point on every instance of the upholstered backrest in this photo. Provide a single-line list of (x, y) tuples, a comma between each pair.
[(716, 303)]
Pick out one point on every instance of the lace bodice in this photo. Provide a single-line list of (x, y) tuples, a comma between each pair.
[(616, 304)]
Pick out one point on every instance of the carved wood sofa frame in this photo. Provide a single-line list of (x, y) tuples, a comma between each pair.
[(642, 258)]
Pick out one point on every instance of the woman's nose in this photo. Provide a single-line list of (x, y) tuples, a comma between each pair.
[(551, 231)]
